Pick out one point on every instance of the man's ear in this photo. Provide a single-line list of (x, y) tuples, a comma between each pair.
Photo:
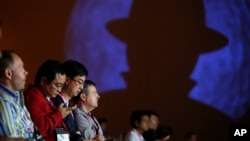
[(43, 81), (67, 80), (8, 73), (83, 96)]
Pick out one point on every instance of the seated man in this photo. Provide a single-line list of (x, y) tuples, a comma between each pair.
[(49, 81), (87, 101), (15, 120), (76, 74)]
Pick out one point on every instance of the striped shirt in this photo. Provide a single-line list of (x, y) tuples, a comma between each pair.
[(15, 121)]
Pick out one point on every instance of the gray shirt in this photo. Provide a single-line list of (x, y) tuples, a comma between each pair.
[(87, 124)]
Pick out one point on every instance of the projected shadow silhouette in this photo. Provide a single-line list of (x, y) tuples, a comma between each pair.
[(164, 39)]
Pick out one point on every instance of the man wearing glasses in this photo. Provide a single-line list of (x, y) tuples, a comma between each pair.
[(49, 80), (76, 74)]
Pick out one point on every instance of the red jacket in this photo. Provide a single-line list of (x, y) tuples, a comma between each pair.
[(44, 116)]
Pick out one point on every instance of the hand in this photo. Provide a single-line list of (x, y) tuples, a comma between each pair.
[(65, 111), (98, 138)]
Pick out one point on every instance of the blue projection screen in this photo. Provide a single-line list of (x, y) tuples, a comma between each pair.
[(222, 76)]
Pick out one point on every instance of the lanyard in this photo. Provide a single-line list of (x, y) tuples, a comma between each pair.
[(95, 126)]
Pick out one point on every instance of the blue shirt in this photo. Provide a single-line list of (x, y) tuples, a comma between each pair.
[(15, 121)]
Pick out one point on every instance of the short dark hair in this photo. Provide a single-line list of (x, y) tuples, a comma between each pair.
[(74, 68), (6, 60), (137, 116), (152, 113), (49, 69)]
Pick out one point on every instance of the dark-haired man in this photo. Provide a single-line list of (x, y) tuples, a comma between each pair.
[(76, 74), (49, 81)]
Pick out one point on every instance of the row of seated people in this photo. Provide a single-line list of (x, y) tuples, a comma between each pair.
[(145, 127), (60, 101), (46, 113)]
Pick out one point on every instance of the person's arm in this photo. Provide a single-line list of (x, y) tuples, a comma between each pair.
[(41, 113), (83, 125)]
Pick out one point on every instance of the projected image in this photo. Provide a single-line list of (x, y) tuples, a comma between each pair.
[(224, 76), (88, 41)]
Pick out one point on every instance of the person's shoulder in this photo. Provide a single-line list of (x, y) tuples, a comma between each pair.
[(132, 133), (3, 98), (2, 94), (32, 90), (78, 111), (32, 95)]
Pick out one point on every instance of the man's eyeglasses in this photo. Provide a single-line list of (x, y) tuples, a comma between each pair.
[(79, 82), (59, 85)]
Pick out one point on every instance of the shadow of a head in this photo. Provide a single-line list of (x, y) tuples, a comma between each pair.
[(163, 18), (166, 32), (164, 39)]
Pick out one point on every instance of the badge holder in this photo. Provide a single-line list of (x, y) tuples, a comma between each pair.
[(61, 134)]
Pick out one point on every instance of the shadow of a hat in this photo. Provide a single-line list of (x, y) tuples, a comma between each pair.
[(148, 18)]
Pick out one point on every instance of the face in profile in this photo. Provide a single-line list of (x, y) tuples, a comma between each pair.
[(18, 73), (92, 96), (153, 122), (143, 124)]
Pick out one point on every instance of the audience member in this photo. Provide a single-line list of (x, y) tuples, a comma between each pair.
[(76, 74), (49, 81), (139, 123), (15, 120), (150, 134), (87, 101)]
